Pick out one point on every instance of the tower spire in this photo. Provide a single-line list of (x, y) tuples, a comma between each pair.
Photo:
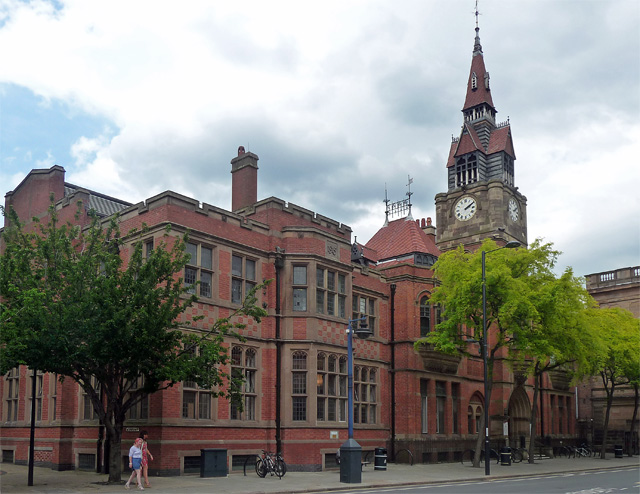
[(477, 47)]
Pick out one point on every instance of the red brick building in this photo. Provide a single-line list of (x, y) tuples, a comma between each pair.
[(295, 360)]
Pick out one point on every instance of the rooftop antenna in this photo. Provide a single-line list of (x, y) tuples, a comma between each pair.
[(409, 194), (386, 207)]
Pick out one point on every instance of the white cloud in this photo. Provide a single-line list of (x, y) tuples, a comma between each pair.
[(339, 98)]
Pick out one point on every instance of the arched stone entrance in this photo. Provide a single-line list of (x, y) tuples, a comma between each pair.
[(519, 416)]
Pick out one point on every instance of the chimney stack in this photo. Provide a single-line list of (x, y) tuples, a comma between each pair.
[(244, 179)]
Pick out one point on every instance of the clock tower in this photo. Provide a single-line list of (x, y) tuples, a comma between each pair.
[(482, 200)]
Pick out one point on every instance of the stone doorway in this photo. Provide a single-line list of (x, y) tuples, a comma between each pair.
[(519, 414)]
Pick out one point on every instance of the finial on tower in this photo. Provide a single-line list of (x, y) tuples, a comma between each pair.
[(409, 194), (477, 47)]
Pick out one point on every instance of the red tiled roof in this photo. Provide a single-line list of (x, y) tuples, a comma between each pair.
[(481, 94), (399, 237), (452, 153), (501, 141), (468, 143)]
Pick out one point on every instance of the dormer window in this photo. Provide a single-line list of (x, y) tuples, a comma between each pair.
[(474, 81), (486, 81)]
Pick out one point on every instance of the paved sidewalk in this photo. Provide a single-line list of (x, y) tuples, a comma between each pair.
[(14, 478)]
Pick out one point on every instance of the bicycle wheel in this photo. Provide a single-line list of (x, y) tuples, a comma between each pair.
[(516, 455), (280, 468), (261, 468)]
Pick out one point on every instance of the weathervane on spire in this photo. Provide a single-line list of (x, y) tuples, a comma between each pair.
[(409, 193), (477, 47)]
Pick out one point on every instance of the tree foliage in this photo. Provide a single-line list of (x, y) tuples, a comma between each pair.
[(89, 304), (618, 363), (533, 317)]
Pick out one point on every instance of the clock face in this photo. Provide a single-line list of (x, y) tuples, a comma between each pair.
[(514, 211), (466, 208)]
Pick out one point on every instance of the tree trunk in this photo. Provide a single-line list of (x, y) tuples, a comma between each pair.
[(114, 436), (633, 419), (605, 429), (479, 451), (534, 417)]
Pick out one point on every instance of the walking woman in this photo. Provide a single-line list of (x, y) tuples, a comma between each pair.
[(135, 460), (146, 454)]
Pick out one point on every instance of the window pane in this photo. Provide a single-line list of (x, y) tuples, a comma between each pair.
[(190, 279), (331, 412), (300, 275), (320, 409), (192, 250), (342, 304), (236, 265), (299, 408), (300, 299), (205, 257), (320, 277), (320, 302), (189, 404), (342, 284), (204, 407), (299, 383), (250, 408), (250, 359), (248, 286), (299, 361), (236, 291), (331, 304), (205, 284), (251, 270), (331, 281)]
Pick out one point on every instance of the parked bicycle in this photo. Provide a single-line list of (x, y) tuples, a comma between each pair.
[(270, 463), (519, 454)]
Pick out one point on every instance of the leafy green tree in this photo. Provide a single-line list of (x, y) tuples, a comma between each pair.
[(87, 304), (513, 283), (618, 364), (556, 338)]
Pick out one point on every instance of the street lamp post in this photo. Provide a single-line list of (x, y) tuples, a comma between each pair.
[(350, 451), (487, 450)]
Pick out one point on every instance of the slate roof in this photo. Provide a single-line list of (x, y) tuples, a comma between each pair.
[(401, 237), (102, 204), (481, 94), (501, 141)]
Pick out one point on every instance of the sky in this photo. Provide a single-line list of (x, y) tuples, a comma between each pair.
[(341, 101)]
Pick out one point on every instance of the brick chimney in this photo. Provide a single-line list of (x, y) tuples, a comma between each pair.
[(244, 179), (428, 228)]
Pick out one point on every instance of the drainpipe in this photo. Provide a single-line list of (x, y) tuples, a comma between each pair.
[(541, 411), (279, 265), (393, 374)]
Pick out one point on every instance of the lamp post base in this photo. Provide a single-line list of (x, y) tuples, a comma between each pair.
[(351, 462)]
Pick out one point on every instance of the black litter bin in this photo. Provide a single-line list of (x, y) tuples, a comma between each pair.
[(505, 456), (380, 459), (213, 463), (618, 451)]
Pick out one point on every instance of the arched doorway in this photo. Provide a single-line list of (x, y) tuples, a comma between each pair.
[(519, 416)]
